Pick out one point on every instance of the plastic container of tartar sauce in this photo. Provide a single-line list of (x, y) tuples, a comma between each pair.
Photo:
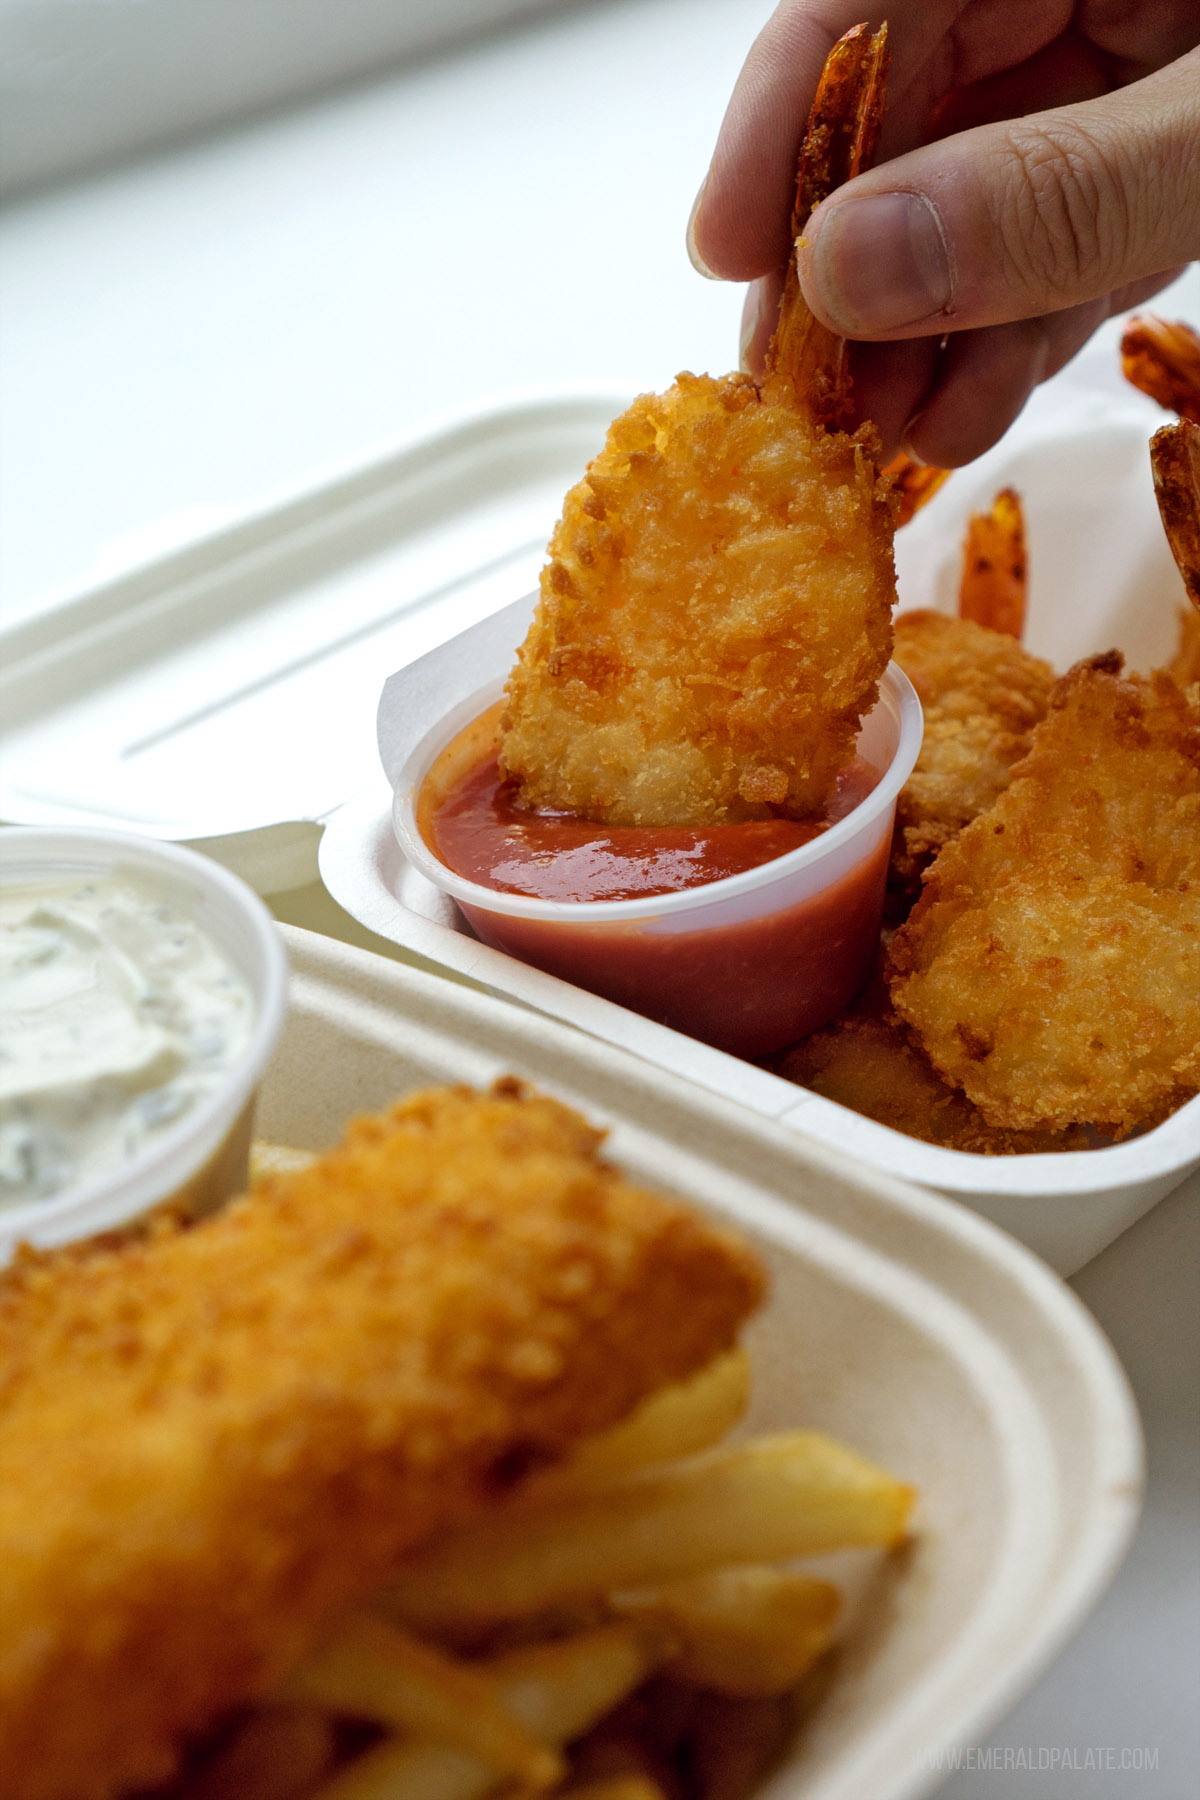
[(142, 992)]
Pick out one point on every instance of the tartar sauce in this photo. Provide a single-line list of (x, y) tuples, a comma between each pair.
[(117, 1016)]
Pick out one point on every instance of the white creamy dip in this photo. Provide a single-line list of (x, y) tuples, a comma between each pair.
[(117, 1016)]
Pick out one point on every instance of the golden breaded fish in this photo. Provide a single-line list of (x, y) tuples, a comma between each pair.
[(213, 1439)]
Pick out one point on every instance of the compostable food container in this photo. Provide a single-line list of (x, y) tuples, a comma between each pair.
[(895, 1321)]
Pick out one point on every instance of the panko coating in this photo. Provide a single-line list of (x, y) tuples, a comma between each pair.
[(714, 618), (715, 615), (981, 694), (214, 1439), (867, 1060), (1051, 968)]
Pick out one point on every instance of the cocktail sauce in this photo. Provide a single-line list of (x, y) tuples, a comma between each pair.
[(472, 820), (748, 974)]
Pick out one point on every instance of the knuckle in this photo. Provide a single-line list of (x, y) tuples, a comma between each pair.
[(1062, 224)]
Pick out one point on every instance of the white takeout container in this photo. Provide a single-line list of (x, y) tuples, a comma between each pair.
[(896, 1321), (226, 696), (759, 1010), (201, 1160), (1099, 575)]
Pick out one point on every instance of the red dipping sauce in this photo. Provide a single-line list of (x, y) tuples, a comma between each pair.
[(470, 817), (749, 975)]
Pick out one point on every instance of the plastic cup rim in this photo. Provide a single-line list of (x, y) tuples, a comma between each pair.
[(895, 689), (205, 1125)]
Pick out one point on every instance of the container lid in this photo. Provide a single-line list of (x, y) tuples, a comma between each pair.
[(224, 696)]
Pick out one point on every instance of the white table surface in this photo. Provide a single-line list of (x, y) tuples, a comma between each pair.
[(182, 340)]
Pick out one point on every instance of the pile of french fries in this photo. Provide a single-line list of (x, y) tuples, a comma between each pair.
[(656, 1550)]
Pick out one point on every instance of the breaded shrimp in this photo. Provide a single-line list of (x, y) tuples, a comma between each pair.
[(715, 615), (1051, 968), (981, 694), (214, 1439), (867, 1060)]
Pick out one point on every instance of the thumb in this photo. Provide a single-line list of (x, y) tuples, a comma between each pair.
[(1014, 220)]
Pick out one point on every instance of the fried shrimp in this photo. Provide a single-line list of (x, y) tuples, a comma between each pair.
[(981, 694), (1051, 968), (868, 1061), (215, 1439), (715, 614)]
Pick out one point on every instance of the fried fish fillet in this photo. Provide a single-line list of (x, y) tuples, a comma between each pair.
[(715, 615), (212, 1440), (982, 694), (1051, 968)]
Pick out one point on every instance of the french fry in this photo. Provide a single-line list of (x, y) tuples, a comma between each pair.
[(750, 1630), (913, 483), (1162, 359), (554, 1690), (677, 1421), (793, 1494), (559, 1688), (398, 1770), (276, 1753), (371, 1670), (992, 590)]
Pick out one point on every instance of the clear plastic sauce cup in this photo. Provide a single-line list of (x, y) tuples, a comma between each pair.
[(201, 1159), (748, 963)]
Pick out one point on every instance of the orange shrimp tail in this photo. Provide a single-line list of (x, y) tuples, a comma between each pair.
[(1175, 460), (1162, 359), (913, 484), (992, 592), (840, 142)]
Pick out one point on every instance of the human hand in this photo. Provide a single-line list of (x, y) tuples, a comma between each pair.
[(1039, 170)]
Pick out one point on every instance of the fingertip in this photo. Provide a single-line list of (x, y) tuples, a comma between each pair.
[(760, 313), (892, 383), (909, 442), (695, 254), (983, 380)]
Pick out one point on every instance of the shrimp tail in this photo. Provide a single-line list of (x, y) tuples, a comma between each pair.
[(913, 485), (1175, 460), (1161, 357), (805, 357), (994, 582)]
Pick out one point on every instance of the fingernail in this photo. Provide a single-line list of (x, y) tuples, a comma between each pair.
[(906, 441), (879, 262), (694, 257), (751, 314)]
